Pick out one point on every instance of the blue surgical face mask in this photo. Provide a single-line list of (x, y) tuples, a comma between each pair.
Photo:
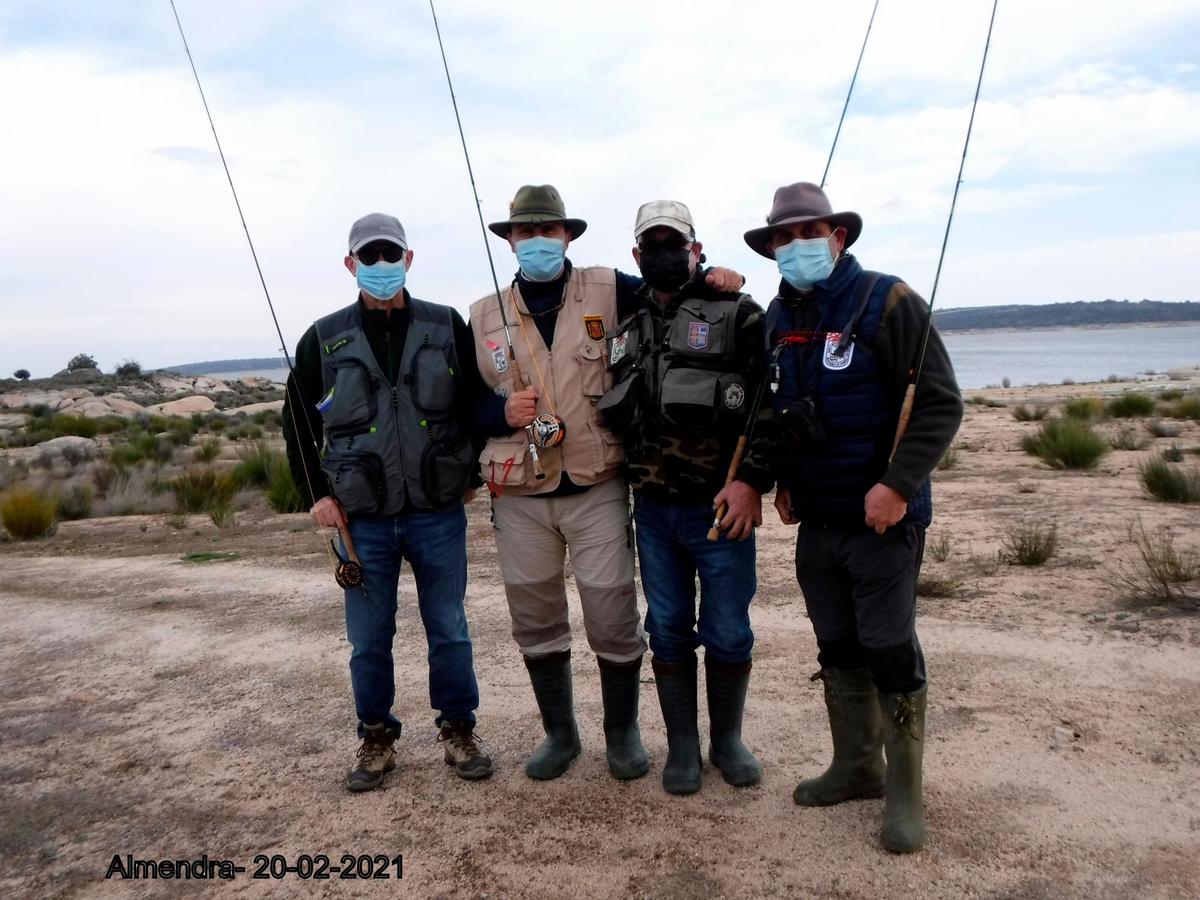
[(803, 263), (541, 258), (383, 281)]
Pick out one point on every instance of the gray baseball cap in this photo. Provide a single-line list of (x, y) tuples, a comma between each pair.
[(376, 227), (669, 213)]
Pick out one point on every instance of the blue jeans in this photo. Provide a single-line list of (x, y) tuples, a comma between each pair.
[(435, 545), (673, 548)]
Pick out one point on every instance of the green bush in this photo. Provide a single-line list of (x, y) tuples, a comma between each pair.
[(1029, 544), (1084, 408), (217, 424), (202, 490), (27, 514), (129, 367), (208, 450), (1066, 444), (1172, 484), (282, 494), (75, 501), (1160, 568), (81, 361), (1185, 407), (1129, 406), (1174, 453), (1170, 394), (254, 470)]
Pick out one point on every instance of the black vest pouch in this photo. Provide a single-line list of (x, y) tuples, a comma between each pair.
[(350, 404), (689, 397), (446, 471), (357, 481), (623, 407), (431, 380), (632, 338)]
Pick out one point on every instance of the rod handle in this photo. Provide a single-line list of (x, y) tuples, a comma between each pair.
[(349, 542), (739, 454), (906, 408)]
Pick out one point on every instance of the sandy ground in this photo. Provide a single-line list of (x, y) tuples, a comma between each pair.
[(169, 709)]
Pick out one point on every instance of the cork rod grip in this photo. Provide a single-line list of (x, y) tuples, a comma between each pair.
[(739, 453), (906, 409)]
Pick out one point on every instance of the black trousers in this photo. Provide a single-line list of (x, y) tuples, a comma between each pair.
[(860, 589)]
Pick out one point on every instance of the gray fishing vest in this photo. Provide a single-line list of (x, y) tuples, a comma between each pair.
[(687, 376), (387, 446)]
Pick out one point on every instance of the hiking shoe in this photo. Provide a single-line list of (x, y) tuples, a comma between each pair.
[(376, 757), (462, 750)]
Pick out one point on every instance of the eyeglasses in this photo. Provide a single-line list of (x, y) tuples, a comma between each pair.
[(371, 253)]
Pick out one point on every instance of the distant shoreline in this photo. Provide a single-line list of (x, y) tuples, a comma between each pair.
[(1098, 326)]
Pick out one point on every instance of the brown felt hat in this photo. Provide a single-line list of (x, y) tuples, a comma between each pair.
[(537, 203), (801, 202)]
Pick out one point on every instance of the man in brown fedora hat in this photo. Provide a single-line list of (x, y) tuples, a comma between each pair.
[(845, 341), (555, 486)]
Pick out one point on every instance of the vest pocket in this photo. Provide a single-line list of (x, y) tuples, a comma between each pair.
[(357, 481), (592, 371), (502, 461), (445, 471), (624, 406), (692, 337), (431, 380), (689, 397), (350, 404)]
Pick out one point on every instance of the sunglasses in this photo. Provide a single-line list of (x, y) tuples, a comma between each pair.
[(671, 243), (385, 250)]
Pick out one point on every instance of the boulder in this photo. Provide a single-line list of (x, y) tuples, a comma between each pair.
[(85, 374), (11, 421), (98, 407), (184, 406), (68, 450), (252, 408)]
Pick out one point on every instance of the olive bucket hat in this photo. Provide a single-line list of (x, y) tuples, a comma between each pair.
[(537, 203), (801, 202)]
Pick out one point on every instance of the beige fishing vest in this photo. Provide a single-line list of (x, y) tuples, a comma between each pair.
[(575, 378)]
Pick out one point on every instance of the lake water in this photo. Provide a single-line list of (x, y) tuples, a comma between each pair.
[(1040, 355)]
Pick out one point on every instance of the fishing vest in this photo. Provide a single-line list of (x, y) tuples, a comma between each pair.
[(680, 370), (387, 446), (834, 366), (574, 376)]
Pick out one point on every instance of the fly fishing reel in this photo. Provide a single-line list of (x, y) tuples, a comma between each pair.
[(547, 430), (348, 572)]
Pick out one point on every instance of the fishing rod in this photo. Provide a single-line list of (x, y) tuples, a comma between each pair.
[(347, 572), (538, 472), (743, 443), (914, 372), (850, 92)]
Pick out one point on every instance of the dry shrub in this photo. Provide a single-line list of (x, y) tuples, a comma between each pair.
[(949, 458), (1128, 406), (938, 584), (1160, 429), (1161, 573), (75, 500), (133, 493), (27, 514), (1023, 413), (1084, 408), (1187, 407), (1029, 544), (1128, 439), (203, 490), (939, 546)]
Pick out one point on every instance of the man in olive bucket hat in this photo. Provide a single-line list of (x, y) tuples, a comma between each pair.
[(846, 341), (569, 495)]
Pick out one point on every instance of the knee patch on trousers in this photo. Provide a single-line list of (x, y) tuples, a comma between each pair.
[(612, 621), (539, 616), (898, 669)]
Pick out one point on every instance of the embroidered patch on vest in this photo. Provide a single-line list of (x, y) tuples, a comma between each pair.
[(594, 326), (697, 335), (500, 360), (617, 352), (833, 360), (735, 396)]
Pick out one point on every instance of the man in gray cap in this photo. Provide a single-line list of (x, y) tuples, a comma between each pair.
[(379, 429), (687, 366), (847, 342), (555, 485)]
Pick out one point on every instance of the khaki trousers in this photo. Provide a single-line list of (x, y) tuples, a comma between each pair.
[(533, 535)]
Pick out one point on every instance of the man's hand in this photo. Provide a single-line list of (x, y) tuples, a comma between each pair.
[(468, 496), (724, 280), (783, 506), (884, 508), (328, 513), (744, 510), (521, 407)]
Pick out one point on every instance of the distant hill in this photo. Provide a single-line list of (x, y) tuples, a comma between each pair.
[(227, 365), (1079, 313)]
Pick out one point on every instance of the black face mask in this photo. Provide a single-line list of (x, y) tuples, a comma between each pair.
[(665, 268)]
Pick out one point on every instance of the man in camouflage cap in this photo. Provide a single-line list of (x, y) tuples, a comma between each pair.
[(687, 365)]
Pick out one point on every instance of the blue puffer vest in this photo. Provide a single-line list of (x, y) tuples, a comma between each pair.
[(830, 360)]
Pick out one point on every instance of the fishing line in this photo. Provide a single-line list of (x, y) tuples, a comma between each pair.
[(846, 105), (263, 281)]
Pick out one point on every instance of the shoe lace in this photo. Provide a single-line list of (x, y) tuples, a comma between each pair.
[(464, 739), (371, 748)]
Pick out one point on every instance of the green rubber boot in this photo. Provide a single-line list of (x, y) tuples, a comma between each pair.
[(856, 724), (676, 683), (904, 740), (620, 687), (551, 678), (727, 684)]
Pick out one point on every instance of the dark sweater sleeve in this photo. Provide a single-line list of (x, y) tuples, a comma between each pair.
[(757, 468), (628, 299), (488, 417), (937, 407), (303, 430), (471, 389)]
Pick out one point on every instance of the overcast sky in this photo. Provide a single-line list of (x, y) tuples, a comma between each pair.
[(118, 235)]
